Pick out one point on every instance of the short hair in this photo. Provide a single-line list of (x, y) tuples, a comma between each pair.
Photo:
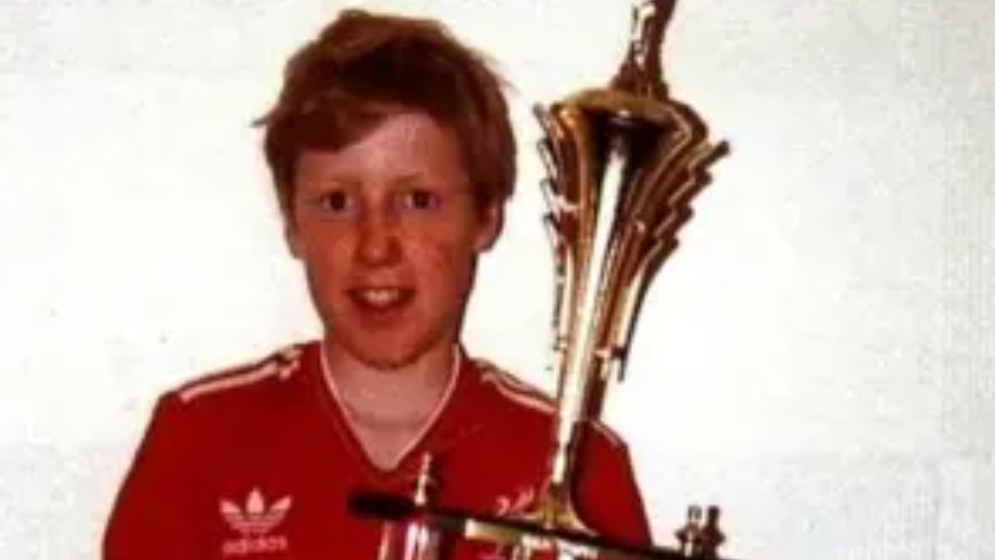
[(365, 67)]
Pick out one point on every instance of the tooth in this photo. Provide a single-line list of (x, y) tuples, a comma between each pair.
[(380, 296)]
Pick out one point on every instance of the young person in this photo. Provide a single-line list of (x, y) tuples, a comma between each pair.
[(393, 156)]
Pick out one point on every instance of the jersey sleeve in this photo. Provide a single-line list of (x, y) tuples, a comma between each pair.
[(609, 499), (146, 519)]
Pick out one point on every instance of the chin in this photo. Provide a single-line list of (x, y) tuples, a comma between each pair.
[(385, 357), (387, 362), (387, 350)]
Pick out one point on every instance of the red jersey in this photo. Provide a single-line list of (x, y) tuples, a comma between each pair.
[(259, 463)]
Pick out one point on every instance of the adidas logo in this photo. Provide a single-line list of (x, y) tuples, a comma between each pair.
[(254, 521), (517, 506)]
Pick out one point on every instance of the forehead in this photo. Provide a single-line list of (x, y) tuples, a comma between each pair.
[(405, 143)]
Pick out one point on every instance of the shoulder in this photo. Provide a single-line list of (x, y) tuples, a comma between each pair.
[(519, 398), (221, 407), (512, 392), (258, 376), (238, 398)]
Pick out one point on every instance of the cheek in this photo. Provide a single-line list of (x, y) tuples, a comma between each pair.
[(322, 252), (443, 266)]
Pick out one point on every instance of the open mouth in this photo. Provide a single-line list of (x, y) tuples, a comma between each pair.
[(381, 300)]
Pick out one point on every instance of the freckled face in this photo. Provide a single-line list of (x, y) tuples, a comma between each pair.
[(388, 233)]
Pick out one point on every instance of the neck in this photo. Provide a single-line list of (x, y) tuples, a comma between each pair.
[(395, 396)]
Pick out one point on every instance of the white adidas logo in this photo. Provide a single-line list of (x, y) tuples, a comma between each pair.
[(518, 505), (512, 506), (254, 522)]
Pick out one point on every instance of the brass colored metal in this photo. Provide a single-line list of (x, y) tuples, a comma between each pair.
[(624, 164), (425, 481)]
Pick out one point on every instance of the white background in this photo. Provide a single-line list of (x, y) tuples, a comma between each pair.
[(816, 358)]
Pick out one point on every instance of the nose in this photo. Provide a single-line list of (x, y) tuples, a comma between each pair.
[(379, 238)]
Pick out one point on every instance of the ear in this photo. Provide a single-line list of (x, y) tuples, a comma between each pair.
[(291, 235), (490, 225)]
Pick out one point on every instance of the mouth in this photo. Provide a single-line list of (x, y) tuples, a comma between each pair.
[(381, 300)]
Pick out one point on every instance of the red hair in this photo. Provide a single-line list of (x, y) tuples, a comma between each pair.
[(363, 68)]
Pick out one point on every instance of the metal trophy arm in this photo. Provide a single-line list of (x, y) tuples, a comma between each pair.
[(505, 532)]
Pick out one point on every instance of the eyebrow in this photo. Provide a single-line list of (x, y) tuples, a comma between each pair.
[(410, 175)]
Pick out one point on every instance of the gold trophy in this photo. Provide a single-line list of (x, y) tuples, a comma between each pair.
[(624, 163)]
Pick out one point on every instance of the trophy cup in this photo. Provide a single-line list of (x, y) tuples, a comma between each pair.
[(623, 163)]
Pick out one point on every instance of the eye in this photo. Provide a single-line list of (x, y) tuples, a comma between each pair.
[(335, 202), (421, 199)]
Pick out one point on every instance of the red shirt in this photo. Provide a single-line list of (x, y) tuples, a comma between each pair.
[(259, 462)]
